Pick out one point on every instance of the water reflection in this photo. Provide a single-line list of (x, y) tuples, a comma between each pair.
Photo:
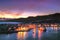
[(39, 34), (21, 35), (34, 33)]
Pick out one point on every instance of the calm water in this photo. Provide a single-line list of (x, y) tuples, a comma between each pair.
[(50, 34), (10, 22)]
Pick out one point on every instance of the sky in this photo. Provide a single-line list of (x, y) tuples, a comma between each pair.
[(26, 8)]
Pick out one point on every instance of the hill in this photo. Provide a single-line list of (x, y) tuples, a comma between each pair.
[(52, 18)]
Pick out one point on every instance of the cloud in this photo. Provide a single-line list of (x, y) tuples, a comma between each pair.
[(10, 14), (24, 8)]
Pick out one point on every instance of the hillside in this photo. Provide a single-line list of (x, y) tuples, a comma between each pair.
[(52, 18)]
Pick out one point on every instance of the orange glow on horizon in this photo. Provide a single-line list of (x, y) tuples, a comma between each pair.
[(18, 14), (12, 14)]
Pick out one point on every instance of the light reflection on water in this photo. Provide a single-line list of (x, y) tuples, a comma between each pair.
[(34, 34), (24, 35), (21, 35), (39, 34)]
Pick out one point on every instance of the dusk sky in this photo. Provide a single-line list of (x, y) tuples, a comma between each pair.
[(25, 8)]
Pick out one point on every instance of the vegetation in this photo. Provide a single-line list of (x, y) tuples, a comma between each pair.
[(52, 18)]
